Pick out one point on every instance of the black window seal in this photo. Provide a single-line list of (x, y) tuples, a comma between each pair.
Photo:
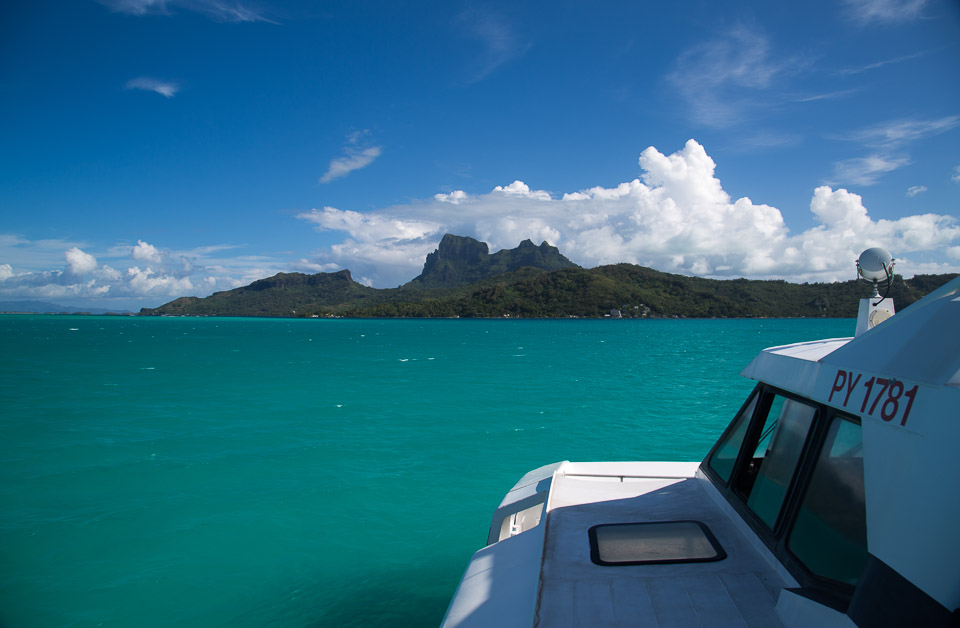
[(832, 593), (715, 478)]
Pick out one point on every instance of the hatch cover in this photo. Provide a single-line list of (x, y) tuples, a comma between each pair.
[(653, 542)]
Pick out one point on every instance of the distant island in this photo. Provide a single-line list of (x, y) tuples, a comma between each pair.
[(45, 307), (463, 279)]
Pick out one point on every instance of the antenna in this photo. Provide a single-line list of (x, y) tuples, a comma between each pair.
[(875, 266)]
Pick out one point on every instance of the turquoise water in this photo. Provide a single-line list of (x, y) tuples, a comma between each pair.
[(295, 473)]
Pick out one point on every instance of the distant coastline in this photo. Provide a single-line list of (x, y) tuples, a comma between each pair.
[(461, 279)]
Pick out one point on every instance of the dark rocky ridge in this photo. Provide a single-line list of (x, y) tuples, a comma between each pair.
[(460, 260)]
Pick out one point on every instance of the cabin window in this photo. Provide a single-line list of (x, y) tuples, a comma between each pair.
[(769, 472), (725, 455), (829, 535)]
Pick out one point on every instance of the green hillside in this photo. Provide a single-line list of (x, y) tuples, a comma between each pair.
[(462, 279)]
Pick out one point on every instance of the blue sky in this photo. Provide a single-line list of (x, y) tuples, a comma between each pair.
[(160, 148)]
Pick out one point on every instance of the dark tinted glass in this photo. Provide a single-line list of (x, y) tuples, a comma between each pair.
[(777, 455), (725, 456), (829, 535)]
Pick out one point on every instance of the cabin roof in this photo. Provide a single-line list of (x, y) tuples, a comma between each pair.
[(921, 343)]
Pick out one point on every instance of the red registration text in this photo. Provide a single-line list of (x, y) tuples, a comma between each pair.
[(888, 398)]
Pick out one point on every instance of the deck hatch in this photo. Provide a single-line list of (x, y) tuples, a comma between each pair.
[(653, 542)]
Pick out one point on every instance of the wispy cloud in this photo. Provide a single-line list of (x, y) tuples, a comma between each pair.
[(217, 10), (768, 139), (887, 141), (355, 157), (914, 190), (167, 89), (725, 79), (879, 64), (956, 175), (498, 39), (897, 132), (842, 93), (883, 11), (867, 170)]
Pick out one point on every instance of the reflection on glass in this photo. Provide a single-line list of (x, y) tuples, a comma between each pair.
[(788, 424), (725, 456), (830, 533)]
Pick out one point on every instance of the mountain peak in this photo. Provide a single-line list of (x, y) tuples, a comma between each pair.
[(460, 260)]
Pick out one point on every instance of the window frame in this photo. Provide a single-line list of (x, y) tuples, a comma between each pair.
[(832, 593)]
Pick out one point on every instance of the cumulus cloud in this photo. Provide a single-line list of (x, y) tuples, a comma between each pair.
[(140, 275), (519, 188), (454, 198), (369, 227), (675, 217), (146, 252), (167, 89), (914, 190), (79, 262), (956, 175), (355, 157)]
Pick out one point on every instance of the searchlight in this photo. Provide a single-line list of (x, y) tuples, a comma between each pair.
[(875, 266)]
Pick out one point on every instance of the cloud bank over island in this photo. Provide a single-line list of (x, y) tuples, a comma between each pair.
[(675, 217)]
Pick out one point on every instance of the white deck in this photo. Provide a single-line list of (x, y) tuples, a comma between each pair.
[(740, 590)]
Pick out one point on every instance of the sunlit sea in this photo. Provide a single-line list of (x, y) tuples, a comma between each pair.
[(290, 473)]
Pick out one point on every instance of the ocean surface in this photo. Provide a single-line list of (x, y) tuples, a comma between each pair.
[(295, 473)]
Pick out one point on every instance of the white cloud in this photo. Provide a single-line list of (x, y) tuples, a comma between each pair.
[(167, 89), (80, 262), (146, 252), (156, 275), (369, 227), (147, 282), (897, 132), (914, 190), (217, 10), (725, 79), (867, 11), (879, 64), (676, 217), (355, 157), (867, 170), (136, 7), (303, 265), (498, 39), (519, 188), (956, 175), (454, 198), (887, 140)]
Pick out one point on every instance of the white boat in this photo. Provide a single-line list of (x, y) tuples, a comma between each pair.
[(828, 501)]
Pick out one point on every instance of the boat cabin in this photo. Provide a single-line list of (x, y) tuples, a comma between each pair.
[(826, 502)]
